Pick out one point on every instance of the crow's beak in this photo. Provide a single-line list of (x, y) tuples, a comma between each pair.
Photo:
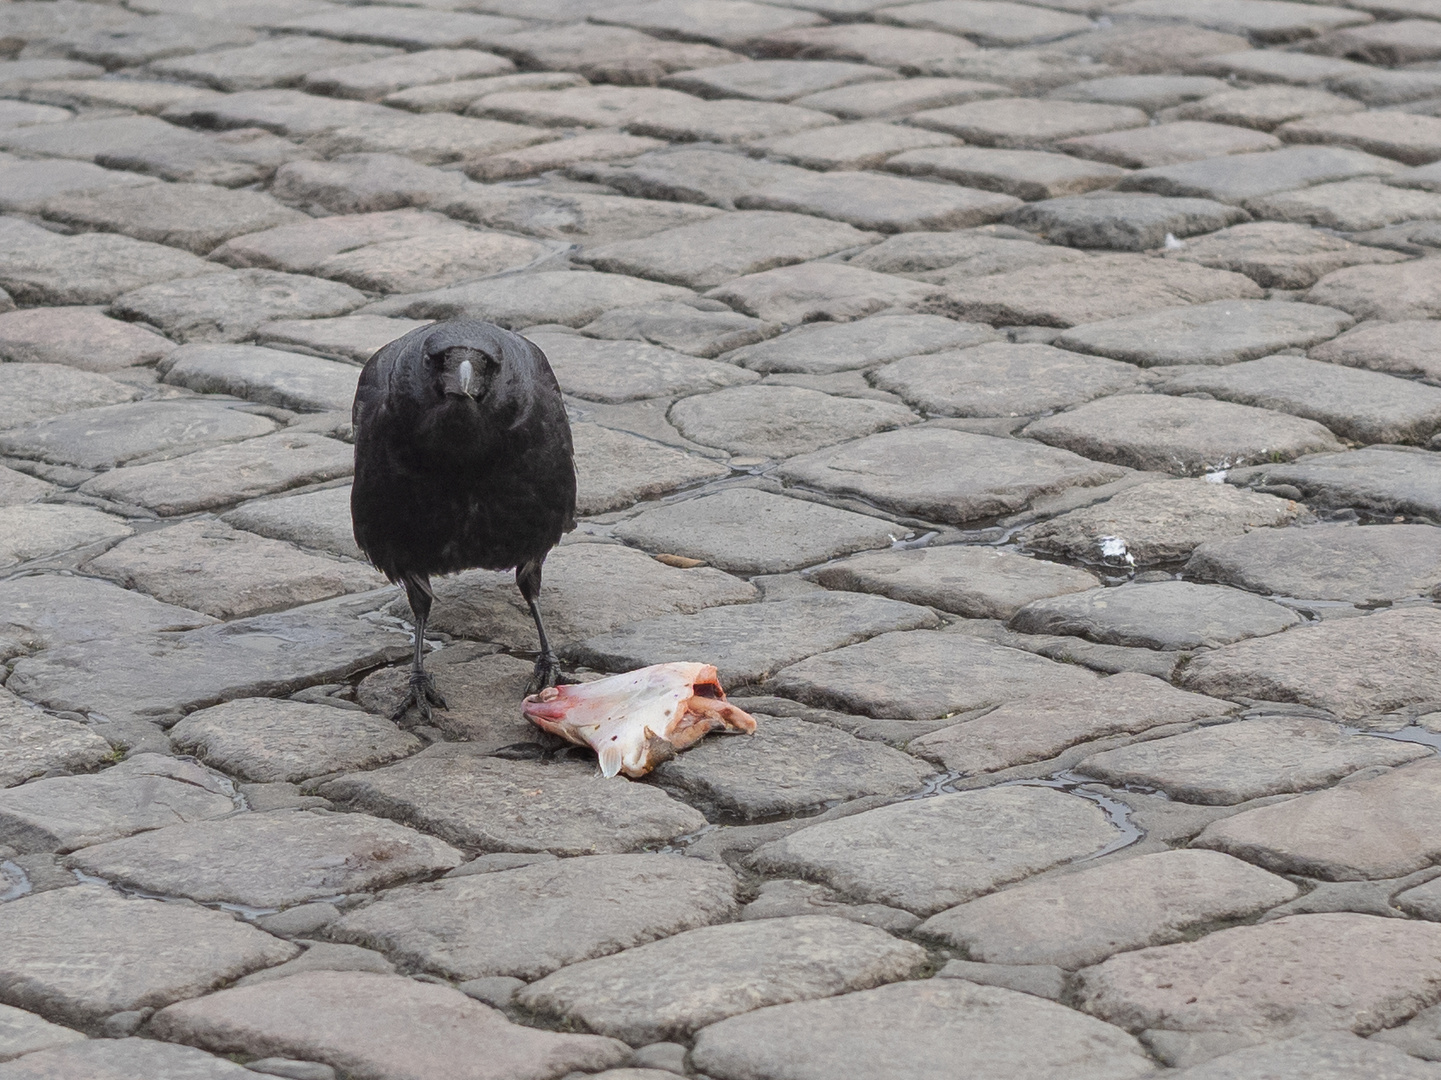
[(466, 375)]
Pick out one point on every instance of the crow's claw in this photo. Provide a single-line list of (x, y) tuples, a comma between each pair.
[(422, 695), (547, 673)]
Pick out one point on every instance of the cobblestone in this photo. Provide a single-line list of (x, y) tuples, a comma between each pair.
[(1248, 759), (1373, 827), (170, 952), (1020, 925), (914, 1027), (1042, 725), (976, 582), (268, 860), (643, 996), (378, 1023), (1376, 967), (484, 925), (915, 326), (903, 675), (490, 804), (751, 641), (1156, 615)]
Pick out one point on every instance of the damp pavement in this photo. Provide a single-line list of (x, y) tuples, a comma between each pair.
[(1033, 411)]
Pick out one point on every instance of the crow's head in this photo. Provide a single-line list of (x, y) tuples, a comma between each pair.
[(462, 372)]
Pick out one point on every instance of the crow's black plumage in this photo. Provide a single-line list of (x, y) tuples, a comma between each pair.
[(463, 459)]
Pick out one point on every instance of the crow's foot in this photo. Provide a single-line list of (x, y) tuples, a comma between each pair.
[(422, 695), (547, 673)]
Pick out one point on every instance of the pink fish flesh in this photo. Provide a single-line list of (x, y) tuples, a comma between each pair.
[(637, 720)]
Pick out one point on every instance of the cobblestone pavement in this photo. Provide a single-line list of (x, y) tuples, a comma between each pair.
[(1031, 409)]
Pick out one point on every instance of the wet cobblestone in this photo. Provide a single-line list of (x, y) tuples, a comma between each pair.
[(1028, 407)]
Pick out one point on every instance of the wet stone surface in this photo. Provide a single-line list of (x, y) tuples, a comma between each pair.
[(492, 804), (147, 791), (1247, 759), (265, 740), (1354, 668), (786, 767), (380, 1023), (530, 921), (590, 589), (1186, 437), (161, 675), (1078, 919), (643, 995), (998, 379), (917, 1026), (1373, 827), (1042, 725), (35, 743), (926, 855), (1220, 332), (268, 860), (826, 348), (1159, 521), (1363, 566), (977, 582), (208, 566), (68, 945), (903, 472), (1028, 409), (750, 531), (1158, 615), (1376, 967), (748, 642), (907, 676)]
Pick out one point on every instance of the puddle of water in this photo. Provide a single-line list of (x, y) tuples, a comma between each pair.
[(250, 914), (680, 844), (940, 784), (1117, 812), (1414, 733), (14, 882)]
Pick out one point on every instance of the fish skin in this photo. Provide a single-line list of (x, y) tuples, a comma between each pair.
[(639, 719)]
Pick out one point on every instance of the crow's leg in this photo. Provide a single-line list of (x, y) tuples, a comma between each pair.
[(423, 693), (547, 665)]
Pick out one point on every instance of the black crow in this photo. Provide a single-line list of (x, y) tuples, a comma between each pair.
[(463, 459)]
